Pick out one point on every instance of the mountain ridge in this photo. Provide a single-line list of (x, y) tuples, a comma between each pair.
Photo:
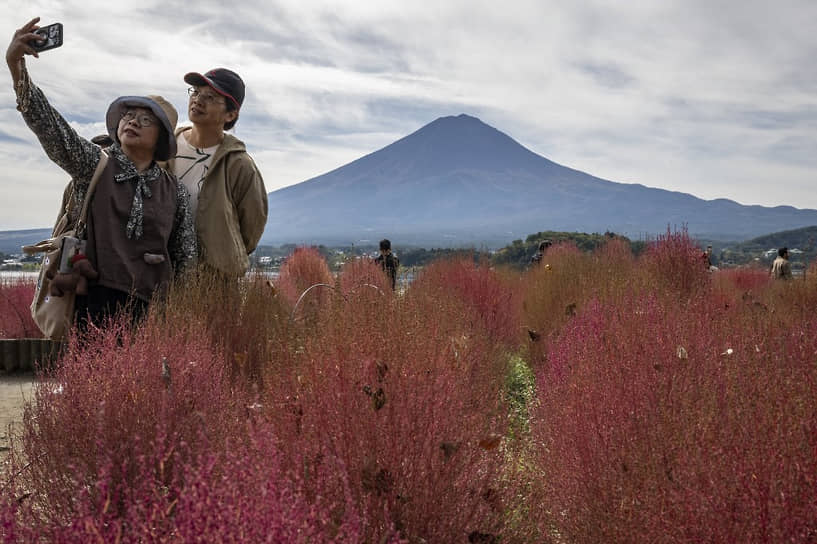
[(459, 181)]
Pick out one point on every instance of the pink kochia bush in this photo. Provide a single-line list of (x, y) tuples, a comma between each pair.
[(678, 423), (482, 291), (15, 315), (564, 281), (406, 392), (362, 274), (301, 270), (744, 279), (144, 437), (235, 492), (675, 263)]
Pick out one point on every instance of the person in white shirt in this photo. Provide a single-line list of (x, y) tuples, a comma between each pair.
[(227, 193)]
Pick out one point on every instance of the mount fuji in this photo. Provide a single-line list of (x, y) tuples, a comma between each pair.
[(460, 182)]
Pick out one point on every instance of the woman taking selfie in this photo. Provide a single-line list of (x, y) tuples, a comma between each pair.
[(139, 227)]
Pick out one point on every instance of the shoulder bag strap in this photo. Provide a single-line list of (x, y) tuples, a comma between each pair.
[(66, 211), (83, 214)]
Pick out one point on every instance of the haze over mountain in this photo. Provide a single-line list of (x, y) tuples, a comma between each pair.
[(459, 181)]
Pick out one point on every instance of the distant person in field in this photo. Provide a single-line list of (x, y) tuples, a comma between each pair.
[(227, 194), (388, 262), (540, 252), (706, 257), (781, 267)]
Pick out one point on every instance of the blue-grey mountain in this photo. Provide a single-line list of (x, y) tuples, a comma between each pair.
[(458, 181)]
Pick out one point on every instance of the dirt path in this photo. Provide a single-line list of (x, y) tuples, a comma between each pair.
[(15, 390)]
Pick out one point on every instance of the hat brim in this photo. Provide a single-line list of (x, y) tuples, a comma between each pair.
[(199, 80), (117, 109)]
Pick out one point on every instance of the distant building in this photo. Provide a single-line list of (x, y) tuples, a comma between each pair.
[(11, 264), (772, 253)]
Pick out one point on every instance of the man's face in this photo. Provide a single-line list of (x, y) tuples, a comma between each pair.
[(207, 107)]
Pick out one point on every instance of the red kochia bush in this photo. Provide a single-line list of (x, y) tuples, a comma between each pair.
[(363, 274), (745, 279), (15, 315), (675, 263), (141, 436), (304, 268), (564, 281), (682, 423), (230, 491), (483, 292), (111, 395), (404, 390)]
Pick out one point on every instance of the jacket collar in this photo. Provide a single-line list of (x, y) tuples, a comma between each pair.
[(230, 144)]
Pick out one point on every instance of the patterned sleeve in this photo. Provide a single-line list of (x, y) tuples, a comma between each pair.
[(61, 143), (182, 245)]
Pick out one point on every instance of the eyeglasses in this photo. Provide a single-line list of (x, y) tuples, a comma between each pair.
[(144, 119), (205, 98)]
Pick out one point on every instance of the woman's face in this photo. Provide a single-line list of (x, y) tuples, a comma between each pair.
[(138, 130)]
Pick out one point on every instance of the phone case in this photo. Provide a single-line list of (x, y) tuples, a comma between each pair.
[(52, 37), (70, 247)]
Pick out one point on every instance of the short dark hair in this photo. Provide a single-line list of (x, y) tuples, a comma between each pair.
[(385, 244), (544, 244), (782, 251), (230, 107), (162, 142)]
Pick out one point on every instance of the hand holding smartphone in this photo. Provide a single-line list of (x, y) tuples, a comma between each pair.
[(51, 37)]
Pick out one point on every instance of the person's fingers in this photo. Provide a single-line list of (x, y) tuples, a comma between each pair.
[(30, 26), (22, 43), (30, 37)]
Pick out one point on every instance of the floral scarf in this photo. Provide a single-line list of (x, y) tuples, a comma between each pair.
[(142, 180)]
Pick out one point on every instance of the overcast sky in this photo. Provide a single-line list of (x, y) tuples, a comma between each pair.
[(708, 97)]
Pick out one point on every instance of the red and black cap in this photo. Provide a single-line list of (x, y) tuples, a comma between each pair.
[(225, 82)]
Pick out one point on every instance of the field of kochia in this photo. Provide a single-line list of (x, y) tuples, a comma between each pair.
[(597, 397)]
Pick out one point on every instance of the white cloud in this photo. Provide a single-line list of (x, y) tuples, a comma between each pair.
[(707, 97)]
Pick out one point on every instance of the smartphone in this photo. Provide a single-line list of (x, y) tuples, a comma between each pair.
[(51, 37), (70, 246)]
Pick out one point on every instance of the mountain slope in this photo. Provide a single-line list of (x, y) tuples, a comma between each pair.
[(804, 238), (459, 181), (12, 240)]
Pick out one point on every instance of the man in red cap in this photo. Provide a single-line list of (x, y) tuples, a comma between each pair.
[(227, 193)]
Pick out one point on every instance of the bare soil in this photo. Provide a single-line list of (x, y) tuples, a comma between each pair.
[(15, 390)]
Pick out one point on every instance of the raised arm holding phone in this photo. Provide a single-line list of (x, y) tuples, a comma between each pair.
[(139, 225)]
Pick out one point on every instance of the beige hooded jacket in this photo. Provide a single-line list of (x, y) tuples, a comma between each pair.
[(232, 209)]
